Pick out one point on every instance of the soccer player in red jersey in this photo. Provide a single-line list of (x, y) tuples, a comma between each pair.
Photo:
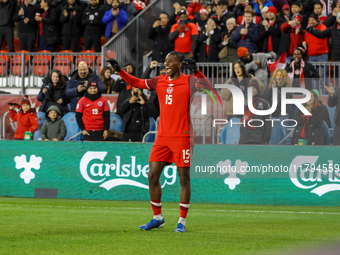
[(174, 140)]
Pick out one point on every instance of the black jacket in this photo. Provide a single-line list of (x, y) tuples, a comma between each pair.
[(275, 32), (215, 40), (314, 132), (71, 26), (6, 13), (51, 30), (309, 73), (29, 12), (162, 45), (335, 101), (258, 135), (92, 20)]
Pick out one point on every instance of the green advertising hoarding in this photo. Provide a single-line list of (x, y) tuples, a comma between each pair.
[(273, 175)]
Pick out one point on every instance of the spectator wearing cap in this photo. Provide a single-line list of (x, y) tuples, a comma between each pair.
[(26, 119), (253, 131), (222, 13), (228, 48), (174, 18), (256, 63), (249, 7), (159, 33), (260, 4), (292, 35), (278, 4), (184, 35), (246, 35), (270, 31), (7, 10), (209, 39), (93, 114), (264, 13), (285, 11), (301, 72), (201, 19)]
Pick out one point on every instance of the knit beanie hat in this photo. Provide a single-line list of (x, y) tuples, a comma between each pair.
[(272, 9), (25, 100), (242, 51)]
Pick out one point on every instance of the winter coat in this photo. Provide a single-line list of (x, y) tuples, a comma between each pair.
[(92, 20), (267, 3), (335, 101), (56, 93), (251, 40), (29, 12), (309, 73), (275, 32), (314, 131), (215, 40), (289, 39), (232, 48), (161, 43), (258, 135), (6, 13), (26, 122), (72, 84), (53, 129), (130, 10), (50, 28), (108, 19), (316, 46), (71, 26)]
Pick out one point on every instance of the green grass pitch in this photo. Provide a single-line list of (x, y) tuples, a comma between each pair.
[(60, 226)]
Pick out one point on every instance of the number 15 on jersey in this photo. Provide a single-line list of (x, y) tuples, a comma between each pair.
[(168, 99)]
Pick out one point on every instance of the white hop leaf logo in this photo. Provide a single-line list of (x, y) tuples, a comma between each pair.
[(232, 180), (27, 175)]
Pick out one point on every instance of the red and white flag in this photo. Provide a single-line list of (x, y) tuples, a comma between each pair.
[(278, 64)]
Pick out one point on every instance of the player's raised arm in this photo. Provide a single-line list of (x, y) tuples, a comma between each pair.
[(130, 79)]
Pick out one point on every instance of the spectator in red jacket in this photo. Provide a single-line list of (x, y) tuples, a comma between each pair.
[(249, 7), (194, 7), (26, 119)]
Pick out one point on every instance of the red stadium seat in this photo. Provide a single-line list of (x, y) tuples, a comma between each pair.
[(64, 63), (87, 57), (4, 63), (41, 63), (17, 62)]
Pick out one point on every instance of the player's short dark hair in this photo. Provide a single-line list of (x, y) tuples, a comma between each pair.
[(178, 54)]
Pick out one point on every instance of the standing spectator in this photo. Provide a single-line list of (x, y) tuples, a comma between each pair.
[(318, 10), (105, 76), (280, 4), (247, 35), (26, 119), (249, 7), (159, 33), (209, 38), (49, 31), (222, 13), (301, 72), (232, 6), (194, 7), (270, 32), (240, 4), (259, 6), (25, 15), (256, 63), (331, 19), (129, 8), (264, 14), (71, 15), (7, 9), (228, 49), (185, 35), (136, 111), (93, 114), (106, 6), (334, 100), (77, 85), (115, 19), (285, 12), (252, 131), (92, 20), (52, 92), (54, 128)]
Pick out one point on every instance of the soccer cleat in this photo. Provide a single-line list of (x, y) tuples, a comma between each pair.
[(180, 228), (153, 224)]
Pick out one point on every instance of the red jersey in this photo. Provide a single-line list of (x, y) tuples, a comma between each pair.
[(93, 112), (183, 42)]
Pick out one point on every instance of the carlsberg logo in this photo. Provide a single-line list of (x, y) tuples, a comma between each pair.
[(115, 174)]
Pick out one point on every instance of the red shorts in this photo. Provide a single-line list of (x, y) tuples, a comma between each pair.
[(172, 150)]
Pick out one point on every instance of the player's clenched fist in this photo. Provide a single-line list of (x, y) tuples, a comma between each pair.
[(114, 64), (190, 64)]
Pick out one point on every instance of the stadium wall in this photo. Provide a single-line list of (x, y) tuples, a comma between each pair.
[(266, 175)]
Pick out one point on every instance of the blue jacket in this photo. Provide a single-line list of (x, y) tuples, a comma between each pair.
[(108, 19), (251, 41), (267, 3), (72, 84)]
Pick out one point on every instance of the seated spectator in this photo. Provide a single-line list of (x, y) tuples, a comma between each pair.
[(92, 20), (129, 7), (54, 128), (26, 119), (136, 111), (223, 14), (310, 127), (93, 114), (334, 100), (252, 131), (71, 15), (77, 85), (239, 78), (292, 35), (228, 49), (209, 38), (280, 79), (249, 7), (105, 76), (247, 35), (7, 10), (52, 92), (115, 19), (121, 87), (259, 6), (159, 33), (185, 35), (25, 15), (256, 63), (49, 30), (301, 72)]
